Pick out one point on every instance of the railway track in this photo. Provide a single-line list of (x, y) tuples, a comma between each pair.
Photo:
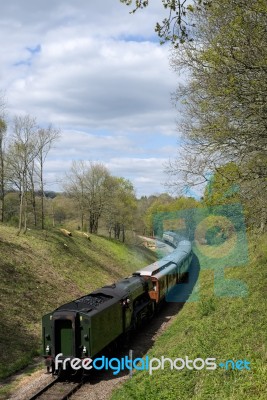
[(57, 390)]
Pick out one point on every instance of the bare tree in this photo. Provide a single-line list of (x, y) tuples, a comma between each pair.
[(176, 26), (3, 128), (90, 185), (22, 152), (75, 187), (45, 139), (32, 189)]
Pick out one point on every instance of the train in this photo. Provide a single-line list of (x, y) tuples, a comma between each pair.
[(172, 238), (87, 326)]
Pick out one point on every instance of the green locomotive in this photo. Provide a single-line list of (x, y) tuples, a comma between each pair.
[(85, 327)]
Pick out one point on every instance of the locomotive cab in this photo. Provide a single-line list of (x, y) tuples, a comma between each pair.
[(65, 333)]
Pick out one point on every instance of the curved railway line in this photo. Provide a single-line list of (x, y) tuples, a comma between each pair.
[(102, 384)]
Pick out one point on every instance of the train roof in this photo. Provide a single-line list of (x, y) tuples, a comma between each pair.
[(166, 271), (152, 269), (125, 286), (184, 245), (171, 233), (104, 297), (175, 257)]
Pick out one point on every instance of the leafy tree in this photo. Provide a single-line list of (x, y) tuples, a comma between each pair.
[(142, 206), (224, 100), (12, 203), (223, 186), (61, 208), (160, 204), (175, 214), (121, 208)]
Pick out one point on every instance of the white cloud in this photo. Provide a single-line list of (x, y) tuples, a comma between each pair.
[(92, 69), (88, 146), (146, 173), (112, 83)]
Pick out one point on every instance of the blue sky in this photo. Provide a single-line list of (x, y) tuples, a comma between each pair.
[(98, 73)]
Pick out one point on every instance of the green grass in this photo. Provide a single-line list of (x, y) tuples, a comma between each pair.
[(220, 327), (40, 271)]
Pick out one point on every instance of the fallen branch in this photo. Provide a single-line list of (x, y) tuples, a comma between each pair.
[(84, 234), (65, 232)]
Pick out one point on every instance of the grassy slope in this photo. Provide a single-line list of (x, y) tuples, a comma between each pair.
[(39, 273), (224, 328)]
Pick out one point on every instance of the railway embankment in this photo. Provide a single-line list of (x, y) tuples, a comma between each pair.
[(40, 271), (228, 326)]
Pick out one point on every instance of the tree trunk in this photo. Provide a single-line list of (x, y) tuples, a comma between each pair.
[(25, 209), (33, 198), (20, 212), (21, 207), (82, 221), (263, 220), (123, 234), (42, 193), (2, 183)]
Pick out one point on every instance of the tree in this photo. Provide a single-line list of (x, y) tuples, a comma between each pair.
[(176, 26), (31, 189), (121, 207), (175, 214), (45, 139), (28, 148), (225, 100), (98, 195), (97, 188), (142, 206), (12, 203), (75, 187), (91, 186), (223, 186), (22, 152), (160, 204), (61, 208), (3, 128)]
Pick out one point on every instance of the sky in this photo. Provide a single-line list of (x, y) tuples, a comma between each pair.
[(99, 74)]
